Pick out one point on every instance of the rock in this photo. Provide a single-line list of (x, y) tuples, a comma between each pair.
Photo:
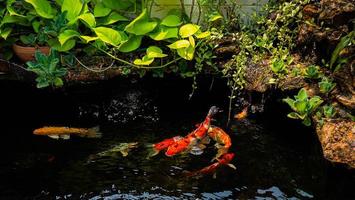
[(337, 138)]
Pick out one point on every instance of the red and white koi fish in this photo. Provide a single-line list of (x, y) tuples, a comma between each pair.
[(157, 147), (211, 169), (181, 145), (223, 141), (66, 132), (201, 130)]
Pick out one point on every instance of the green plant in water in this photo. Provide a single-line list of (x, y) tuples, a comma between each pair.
[(326, 85), (303, 106), (48, 70)]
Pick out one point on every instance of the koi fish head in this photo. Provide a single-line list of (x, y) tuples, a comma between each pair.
[(213, 111), (39, 131)]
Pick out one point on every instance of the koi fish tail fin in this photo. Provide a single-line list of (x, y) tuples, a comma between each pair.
[(151, 151), (94, 132), (232, 166), (187, 173)]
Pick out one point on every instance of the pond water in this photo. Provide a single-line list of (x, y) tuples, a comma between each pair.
[(275, 158)]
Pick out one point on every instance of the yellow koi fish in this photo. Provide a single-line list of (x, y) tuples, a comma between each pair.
[(65, 132)]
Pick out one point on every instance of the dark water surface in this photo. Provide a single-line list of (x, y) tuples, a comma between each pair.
[(275, 158)]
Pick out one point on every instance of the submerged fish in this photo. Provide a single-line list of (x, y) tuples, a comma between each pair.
[(223, 141), (154, 149), (211, 169), (201, 130), (242, 115), (123, 148), (66, 132), (181, 146)]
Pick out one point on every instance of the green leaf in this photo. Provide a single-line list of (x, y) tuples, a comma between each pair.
[(43, 8), (344, 41), (302, 95), (164, 33), (214, 17), (14, 20), (188, 30), (101, 11), (141, 25), (290, 102), (58, 82), (55, 44), (203, 34), (112, 18), (171, 21), (11, 10), (73, 8), (314, 102), (155, 52), (187, 53), (144, 61), (42, 84), (133, 43), (192, 41), (179, 44), (307, 121), (88, 19), (88, 39), (35, 25), (66, 35), (293, 115), (300, 106), (4, 33), (122, 5), (108, 35)]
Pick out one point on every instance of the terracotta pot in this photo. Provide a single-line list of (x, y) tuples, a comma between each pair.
[(28, 53)]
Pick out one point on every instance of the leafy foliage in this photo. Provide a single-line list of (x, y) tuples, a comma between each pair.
[(303, 106), (47, 69)]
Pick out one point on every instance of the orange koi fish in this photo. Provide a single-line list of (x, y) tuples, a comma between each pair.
[(223, 141), (182, 145), (223, 160), (242, 115), (201, 130), (65, 132), (157, 147)]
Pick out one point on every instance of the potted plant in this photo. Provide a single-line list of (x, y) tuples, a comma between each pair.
[(24, 21)]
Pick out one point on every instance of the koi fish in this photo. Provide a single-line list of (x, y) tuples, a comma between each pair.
[(65, 132), (123, 148), (154, 149), (242, 115), (201, 130), (211, 169), (223, 141), (181, 145)]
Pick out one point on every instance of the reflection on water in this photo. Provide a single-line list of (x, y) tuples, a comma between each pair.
[(281, 163)]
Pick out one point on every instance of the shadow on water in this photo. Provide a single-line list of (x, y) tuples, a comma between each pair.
[(275, 158)]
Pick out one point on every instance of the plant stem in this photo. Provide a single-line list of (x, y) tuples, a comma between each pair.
[(138, 66)]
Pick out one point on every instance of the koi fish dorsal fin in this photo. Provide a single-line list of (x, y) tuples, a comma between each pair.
[(93, 132)]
